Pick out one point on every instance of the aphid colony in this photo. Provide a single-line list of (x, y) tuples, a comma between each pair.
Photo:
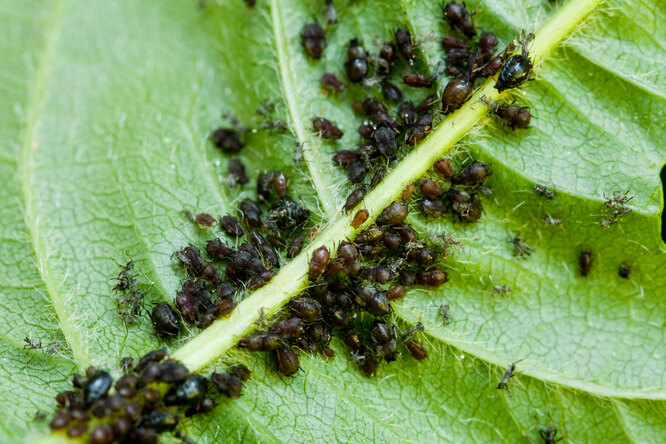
[(350, 294), (148, 400)]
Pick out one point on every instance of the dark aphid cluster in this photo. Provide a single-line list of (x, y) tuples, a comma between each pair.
[(616, 205), (350, 295), (150, 399), (131, 305)]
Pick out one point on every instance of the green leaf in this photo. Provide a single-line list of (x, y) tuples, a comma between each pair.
[(105, 108)]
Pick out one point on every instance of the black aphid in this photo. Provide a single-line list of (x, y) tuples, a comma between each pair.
[(313, 39)]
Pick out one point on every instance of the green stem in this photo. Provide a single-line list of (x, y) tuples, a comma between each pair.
[(223, 334)]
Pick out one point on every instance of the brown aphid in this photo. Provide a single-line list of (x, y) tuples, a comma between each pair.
[(391, 91), (237, 173), (416, 80), (378, 176), (326, 129), (545, 192), (395, 293), (450, 42), (406, 232), (313, 39), (432, 207), (359, 218), (264, 186), (422, 256), (306, 308), (286, 360), (205, 219), (466, 206), (375, 302), (408, 191), (102, 435), (457, 56), (330, 82), (366, 130), (260, 342), (229, 385), (251, 212), (432, 278), (508, 374), (356, 61), (260, 279), (355, 197), (186, 306), (455, 94), (318, 262), (392, 241), (369, 364), (443, 167), (625, 271), (492, 67), (334, 268), (420, 129), (200, 295), (386, 57), (280, 183), (517, 117), (393, 214), (227, 139), (216, 249), (585, 260), (190, 257), (472, 174), (152, 356), (379, 275), (405, 44), (219, 309), (164, 320), (292, 328), (357, 172), (295, 246), (415, 349), (457, 16), (211, 274), (430, 188), (232, 226), (349, 253), (265, 250), (487, 44), (369, 235)]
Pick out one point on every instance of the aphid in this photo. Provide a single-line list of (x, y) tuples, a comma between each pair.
[(295, 246), (334, 268), (420, 128), (443, 167), (379, 275), (455, 93), (457, 56), (160, 420), (383, 336), (261, 279), (407, 192), (395, 293), (356, 62), (450, 42), (125, 279), (229, 385), (251, 212), (101, 435), (369, 364), (520, 248), (472, 174), (415, 349), (384, 140), (232, 226), (466, 206), (432, 278), (432, 207), (359, 218), (508, 374), (357, 172), (349, 253), (96, 387), (199, 294), (260, 342), (211, 274), (545, 192), (237, 173), (313, 39), (492, 67), (292, 328), (406, 232), (219, 309), (487, 44), (164, 320), (286, 360), (367, 151), (391, 91), (190, 256), (306, 308), (517, 117), (267, 252), (393, 214), (378, 176), (205, 220), (457, 16), (318, 262), (445, 314), (416, 80), (382, 118), (501, 290), (331, 82), (326, 129), (355, 197), (375, 302), (430, 188), (216, 249), (585, 260), (366, 130), (405, 44), (392, 241), (173, 371), (187, 307), (287, 214), (369, 235), (227, 139), (280, 183), (407, 112), (624, 271), (548, 435), (423, 256), (152, 356), (517, 70)]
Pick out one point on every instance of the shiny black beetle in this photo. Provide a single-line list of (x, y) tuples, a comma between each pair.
[(518, 69)]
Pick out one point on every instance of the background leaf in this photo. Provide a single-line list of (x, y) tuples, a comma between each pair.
[(105, 111)]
